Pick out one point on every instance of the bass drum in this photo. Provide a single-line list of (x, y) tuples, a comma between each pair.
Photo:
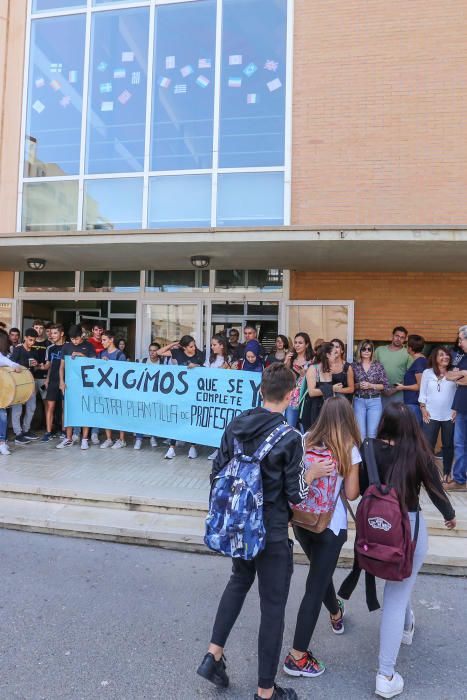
[(15, 387)]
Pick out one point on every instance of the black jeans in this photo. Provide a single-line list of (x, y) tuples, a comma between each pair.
[(431, 431), (274, 567), (322, 551)]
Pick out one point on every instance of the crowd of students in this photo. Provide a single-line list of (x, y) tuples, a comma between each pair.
[(292, 473)]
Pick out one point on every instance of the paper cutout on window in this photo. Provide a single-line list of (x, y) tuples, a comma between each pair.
[(202, 81), (235, 60), (102, 66), (119, 73), (65, 101), (72, 76), (40, 82), (128, 56), (180, 88), (235, 82), (169, 62), (274, 85), (107, 107), (250, 69), (55, 85), (124, 97), (251, 98), (186, 71), (105, 87), (204, 63), (38, 106), (56, 67), (164, 82), (271, 65), (136, 77)]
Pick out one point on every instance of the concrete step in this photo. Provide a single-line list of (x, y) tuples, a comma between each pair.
[(182, 506), (446, 555)]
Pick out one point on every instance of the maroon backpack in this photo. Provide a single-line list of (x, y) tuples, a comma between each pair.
[(383, 543)]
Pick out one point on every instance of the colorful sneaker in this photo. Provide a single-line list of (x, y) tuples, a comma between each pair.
[(192, 453), (213, 671), (4, 449), (407, 636), (30, 436), (281, 694), (170, 454), (118, 444), (153, 442), (105, 444), (307, 666), (338, 625), (389, 688), (64, 443), (138, 444), (47, 437)]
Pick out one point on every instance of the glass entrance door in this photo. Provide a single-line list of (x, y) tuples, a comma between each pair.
[(167, 323), (263, 315)]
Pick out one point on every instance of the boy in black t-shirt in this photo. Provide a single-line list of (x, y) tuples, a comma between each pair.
[(26, 356), (54, 396), (77, 347)]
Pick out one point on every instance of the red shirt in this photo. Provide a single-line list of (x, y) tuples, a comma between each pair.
[(97, 345)]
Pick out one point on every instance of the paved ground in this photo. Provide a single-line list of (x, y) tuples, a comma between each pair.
[(85, 620)]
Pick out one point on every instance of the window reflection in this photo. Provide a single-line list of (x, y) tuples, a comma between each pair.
[(252, 123), (250, 199), (184, 86), (113, 204), (178, 201), (46, 5), (117, 98), (176, 280), (55, 95), (50, 206)]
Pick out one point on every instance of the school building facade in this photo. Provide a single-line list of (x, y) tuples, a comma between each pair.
[(183, 166)]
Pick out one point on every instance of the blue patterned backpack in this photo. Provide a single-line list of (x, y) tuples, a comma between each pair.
[(234, 524)]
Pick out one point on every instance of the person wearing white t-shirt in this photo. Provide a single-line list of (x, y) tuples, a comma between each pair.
[(336, 436), (218, 359), (435, 399)]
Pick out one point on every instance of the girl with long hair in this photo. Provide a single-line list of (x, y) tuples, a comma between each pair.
[(298, 360), (218, 359), (435, 399), (370, 381), (405, 461), (341, 370), (279, 353), (335, 434)]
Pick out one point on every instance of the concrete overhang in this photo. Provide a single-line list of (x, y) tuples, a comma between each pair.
[(418, 249)]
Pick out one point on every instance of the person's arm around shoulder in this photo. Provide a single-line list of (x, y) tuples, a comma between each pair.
[(295, 486), (352, 480), (311, 381)]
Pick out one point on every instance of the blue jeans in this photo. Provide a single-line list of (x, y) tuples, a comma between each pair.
[(459, 470), (417, 411), (291, 415), (3, 424), (368, 413)]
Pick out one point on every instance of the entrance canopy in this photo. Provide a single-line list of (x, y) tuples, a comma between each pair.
[(288, 247)]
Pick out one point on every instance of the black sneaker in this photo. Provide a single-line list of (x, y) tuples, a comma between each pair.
[(21, 440), (214, 671), (30, 435), (281, 694), (47, 437)]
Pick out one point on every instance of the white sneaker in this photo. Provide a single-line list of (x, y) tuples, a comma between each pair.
[(153, 442), (4, 449), (138, 444), (389, 689), (105, 444), (95, 439), (213, 455), (85, 444), (118, 444), (74, 438), (407, 636), (170, 454), (192, 453), (64, 443)]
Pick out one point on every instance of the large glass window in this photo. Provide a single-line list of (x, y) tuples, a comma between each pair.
[(252, 123), (169, 322), (183, 94), (113, 204), (47, 281), (176, 280), (250, 199), (115, 281), (50, 206), (55, 96), (180, 201), (249, 280), (46, 5), (117, 91)]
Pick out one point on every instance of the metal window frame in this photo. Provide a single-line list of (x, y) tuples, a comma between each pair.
[(89, 9)]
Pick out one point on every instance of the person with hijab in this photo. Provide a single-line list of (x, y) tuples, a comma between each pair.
[(252, 361)]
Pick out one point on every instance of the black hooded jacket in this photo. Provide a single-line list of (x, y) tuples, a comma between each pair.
[(282, 470)]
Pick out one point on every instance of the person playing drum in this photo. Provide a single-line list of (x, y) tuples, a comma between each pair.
[(5, 362)]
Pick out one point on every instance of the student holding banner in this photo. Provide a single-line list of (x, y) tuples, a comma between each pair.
[(152, 359), (218, 359), (112, 353), (5, 362)]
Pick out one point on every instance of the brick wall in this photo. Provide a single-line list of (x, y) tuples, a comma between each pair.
[(431, 304), (379, 126)]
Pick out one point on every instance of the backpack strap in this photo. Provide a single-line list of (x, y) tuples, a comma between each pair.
[(277, 434), (370, 461)]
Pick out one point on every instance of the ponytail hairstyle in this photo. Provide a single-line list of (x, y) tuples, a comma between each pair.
[(336, 429), (413, 460), (224, 343)]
